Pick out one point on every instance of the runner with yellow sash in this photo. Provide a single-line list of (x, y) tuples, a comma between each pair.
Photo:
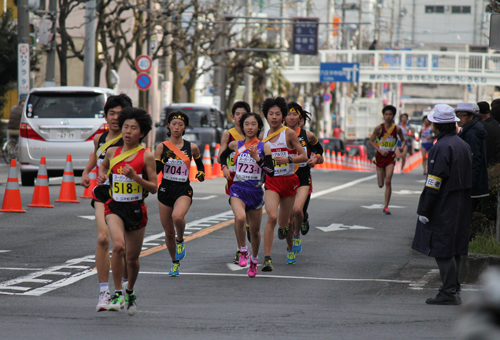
[(282, 187), (385, 159), (131, 172)]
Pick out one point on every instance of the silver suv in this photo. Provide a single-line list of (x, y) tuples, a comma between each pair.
[(60, 121)]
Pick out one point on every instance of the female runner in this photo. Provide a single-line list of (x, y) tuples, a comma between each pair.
[(426, 142)]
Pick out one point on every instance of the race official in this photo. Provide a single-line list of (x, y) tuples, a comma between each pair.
[(444, 209)]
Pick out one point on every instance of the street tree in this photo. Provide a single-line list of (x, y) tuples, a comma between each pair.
[(8, 55)]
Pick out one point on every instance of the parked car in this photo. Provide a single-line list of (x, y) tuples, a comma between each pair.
[(333, 144), (354, 150), (206, 124), (370, 151), (416, 124), (60, 121)]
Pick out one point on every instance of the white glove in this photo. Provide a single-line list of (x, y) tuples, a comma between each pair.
[(423, 219)]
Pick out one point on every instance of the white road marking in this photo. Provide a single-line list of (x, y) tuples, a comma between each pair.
[(205, 198), (283, 277), (4, 251), (22, 268), (381, 206), (343, 186), (234, 267), (407, 192), (420, 284), (340, 226), (420, 180), (88, 217)]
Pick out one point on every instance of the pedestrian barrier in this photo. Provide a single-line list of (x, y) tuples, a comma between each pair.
[(12, 198), (41, 195), (193, 171), (207, 163), (68, 188), (87, 193), (217, 171)]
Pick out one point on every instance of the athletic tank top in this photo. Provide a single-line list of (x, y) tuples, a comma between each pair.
[(124, 189), (248, 173), (303, 167), (389, 144), (280, 148), (175, 170), (426, 135), (405, 130), (102, 140)]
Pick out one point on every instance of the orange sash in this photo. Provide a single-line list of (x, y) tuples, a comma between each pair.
[(178, 153), (244, 148), (297, 130)]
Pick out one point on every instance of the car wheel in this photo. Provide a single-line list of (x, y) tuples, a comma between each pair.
[(28, 179)]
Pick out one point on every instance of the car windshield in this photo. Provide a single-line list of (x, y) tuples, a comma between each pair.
[(198, 117), (65, 105)]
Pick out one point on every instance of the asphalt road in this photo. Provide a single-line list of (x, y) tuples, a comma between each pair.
[(356, 279)]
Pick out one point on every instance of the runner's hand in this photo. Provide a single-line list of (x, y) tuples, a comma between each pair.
[(254, 152), (200, 176), (281, 160), (128, 171), (101, 179), (384, 153), (85, 182), (227, 173)]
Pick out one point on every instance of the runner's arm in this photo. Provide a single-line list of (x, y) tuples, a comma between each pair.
[(199, 163), (267, 163), (316, 148), (294, 140), (103, 168), (401, 137), (223, 144), (151, 184), (375, 133), (226, 153), (159, 162), (85, 182)]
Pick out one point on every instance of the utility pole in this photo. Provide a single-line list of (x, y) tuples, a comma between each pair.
[(392, 24), (50, 71), (89, 49), (23, 47), (344, 26), (248, 36), (360, 27), (413, 23), (329, 30)]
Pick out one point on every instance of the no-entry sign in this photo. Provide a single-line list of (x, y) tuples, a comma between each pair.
[(143, 81)]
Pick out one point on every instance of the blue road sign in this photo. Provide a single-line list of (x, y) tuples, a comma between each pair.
[(143, 81), (339, 72), (305, 36), (327, 97)]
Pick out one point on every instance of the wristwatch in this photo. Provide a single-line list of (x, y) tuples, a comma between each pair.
[(290, 159)]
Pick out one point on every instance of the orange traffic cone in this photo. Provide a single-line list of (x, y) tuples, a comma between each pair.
[(217, 171), (333, 159), (87, 193), (193, 171), (207, 163), (68, 188), (41, 196), (12, 198)]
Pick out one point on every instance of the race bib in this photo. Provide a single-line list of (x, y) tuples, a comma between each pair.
[(280, 169), (389, 144), (247, 168), (175, 170), (231, 164), (126, 189)]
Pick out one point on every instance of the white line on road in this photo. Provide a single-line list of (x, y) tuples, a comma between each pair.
[(4, 251), (9, 268), (283, 277), (205, 198), (343, 186)]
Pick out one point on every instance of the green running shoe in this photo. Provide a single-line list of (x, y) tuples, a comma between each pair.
[(130, 304), (282, 232), (290, 259), (268, 264), (117, 302), (180, 250), (174, 271), (297, 244), (237, 257), (305, 227)]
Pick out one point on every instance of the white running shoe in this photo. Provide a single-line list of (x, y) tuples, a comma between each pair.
[(103, 304)]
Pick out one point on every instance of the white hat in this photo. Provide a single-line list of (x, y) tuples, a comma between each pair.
[(467, 107), (443, 113)]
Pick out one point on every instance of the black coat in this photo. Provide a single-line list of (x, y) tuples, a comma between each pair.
[(492, 140), (475, 135), (447, 204)]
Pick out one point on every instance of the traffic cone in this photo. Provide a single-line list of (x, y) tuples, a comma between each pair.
[(87, 193), (12, 198), (217, 171), (68, 188), (193, 171), (358, 163), (333, 161), (339, 161), (41, 196), (207, 163)]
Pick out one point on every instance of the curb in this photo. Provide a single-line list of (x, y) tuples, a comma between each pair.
[(473, 265)]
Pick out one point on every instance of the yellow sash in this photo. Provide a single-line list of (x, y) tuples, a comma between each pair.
[(387, 134), (106, 145), (274, 134), (122, 157), (236, 135)]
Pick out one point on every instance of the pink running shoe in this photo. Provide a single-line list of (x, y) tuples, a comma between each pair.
[(243, 261), (252, 271)]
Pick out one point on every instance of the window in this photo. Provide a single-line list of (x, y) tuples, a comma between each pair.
[(66, 105), (429, 9), (434, 9), (460, 9), (439, 9)]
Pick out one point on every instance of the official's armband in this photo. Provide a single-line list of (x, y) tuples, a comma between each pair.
[(433, 182)]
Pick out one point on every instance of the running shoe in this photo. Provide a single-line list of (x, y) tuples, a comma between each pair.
[(103, 303), (305, 227), (117, 303), (249, 236), (268, 264), (386, 211), (297, 244), (180, 250), (174, 271), (290, 258), (252, 271), (130, 304), (243, 260), (237, 257), (282, 232)]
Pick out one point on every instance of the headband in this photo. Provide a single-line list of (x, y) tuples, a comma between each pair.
[(293, 110)]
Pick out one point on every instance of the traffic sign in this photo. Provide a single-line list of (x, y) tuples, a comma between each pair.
[(305, 36), (143, 81), (23, 67), (341, 72), (143, 63), (327, 97)]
